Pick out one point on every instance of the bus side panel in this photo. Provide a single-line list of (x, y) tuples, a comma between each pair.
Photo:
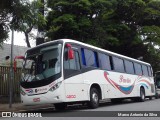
[(148, 84), (129, 85), (120, 85), (75, 89)]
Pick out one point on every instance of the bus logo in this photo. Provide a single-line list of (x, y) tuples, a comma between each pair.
[(36, 99), (29, 90), (71, 96)]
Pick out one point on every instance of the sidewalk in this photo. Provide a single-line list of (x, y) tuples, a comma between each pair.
[(18, 107)]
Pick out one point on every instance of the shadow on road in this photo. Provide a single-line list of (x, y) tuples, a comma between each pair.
[(83, 108)]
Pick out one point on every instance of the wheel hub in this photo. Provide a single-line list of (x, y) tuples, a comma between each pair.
[(95, 97)]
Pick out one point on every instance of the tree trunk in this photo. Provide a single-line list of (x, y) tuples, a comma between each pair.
[(40, 37), (27, 40)]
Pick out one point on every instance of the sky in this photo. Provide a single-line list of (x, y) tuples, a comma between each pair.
[(19, 39)]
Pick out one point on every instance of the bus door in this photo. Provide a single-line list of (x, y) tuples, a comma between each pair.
[(73, 77)]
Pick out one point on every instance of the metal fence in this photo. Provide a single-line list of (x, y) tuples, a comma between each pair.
[(5, 81)]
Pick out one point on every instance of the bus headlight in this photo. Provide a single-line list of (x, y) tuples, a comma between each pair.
[(22, 92), (55, 87)]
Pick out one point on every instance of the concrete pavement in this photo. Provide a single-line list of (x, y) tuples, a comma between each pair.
[(18, 107)]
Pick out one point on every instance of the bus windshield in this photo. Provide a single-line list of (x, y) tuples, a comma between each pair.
[(42, 65)]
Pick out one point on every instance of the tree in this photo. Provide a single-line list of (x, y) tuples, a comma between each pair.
[(76, 19), (128, 27), (20, 15), (5, 9), (27, 17)]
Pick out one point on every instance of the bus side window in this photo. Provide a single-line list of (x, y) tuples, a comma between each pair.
[(118, 64), (145, 70), (138, 69), (72, 64), (104, 61), (149, 71), (89, 58), (129, 66)]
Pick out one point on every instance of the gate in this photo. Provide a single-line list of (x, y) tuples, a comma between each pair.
[(5, 81)]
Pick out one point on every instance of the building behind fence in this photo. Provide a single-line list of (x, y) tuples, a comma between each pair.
[(5, 72)]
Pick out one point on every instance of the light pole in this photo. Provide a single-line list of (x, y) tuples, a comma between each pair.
[(40, 35), (11, 73)]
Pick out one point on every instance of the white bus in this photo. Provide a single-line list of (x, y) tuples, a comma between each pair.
[(67, 71)]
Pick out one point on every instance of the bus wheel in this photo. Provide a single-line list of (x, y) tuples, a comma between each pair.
[(60, 106), (94, 98), (142, 95)]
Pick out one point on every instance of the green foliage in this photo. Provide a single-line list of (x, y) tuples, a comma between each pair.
[(5, 9), (27, 15), (20, 15), (129, 27)]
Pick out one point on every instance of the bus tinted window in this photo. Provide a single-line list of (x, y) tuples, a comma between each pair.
[(89, 58), (129, 67), (104, 61), (145, 71), (138, 69), (149, 71), (118, 64), (72, 64)]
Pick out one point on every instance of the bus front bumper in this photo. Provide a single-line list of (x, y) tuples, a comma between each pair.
[(46, 98)]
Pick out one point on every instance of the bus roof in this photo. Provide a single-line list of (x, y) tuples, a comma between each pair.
[(93, 47), (103, 50)]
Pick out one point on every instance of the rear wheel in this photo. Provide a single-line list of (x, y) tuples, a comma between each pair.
[(142, 95), (94, 98), (60, 106)]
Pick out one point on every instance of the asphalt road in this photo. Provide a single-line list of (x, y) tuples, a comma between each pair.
[(105, 109)]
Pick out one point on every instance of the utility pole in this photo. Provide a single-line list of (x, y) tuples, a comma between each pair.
[(40, 34), (11, 73)]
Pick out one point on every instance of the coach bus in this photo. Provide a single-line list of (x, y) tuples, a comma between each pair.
[(67, 71)]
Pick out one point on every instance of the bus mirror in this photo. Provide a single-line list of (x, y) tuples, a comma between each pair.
[(70, 54), (70, 51), (15, 62)]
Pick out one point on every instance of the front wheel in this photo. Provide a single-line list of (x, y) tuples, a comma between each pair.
[(94, 98)]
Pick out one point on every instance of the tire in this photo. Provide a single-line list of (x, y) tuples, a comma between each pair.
[(60, 106), (94, 98), (142, 95)]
